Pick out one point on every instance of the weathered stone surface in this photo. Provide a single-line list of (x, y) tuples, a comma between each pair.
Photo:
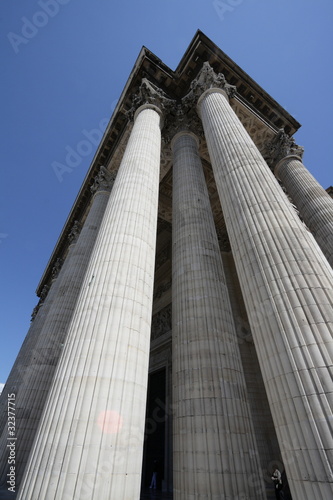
[(214, 446), (90, 439), (287, 288), (38, 360), (314, 204)]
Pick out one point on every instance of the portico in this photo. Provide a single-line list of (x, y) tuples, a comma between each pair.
[(201, 335)]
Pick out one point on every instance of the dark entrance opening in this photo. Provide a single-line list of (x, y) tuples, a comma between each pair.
[(154, 445)]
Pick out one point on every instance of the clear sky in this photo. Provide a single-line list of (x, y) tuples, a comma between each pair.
[(64, 65)]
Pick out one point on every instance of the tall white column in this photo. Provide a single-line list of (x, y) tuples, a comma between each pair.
[(90, 441), (287, 287), (33, 389), (214, 450), (314, 204), (26, 351)]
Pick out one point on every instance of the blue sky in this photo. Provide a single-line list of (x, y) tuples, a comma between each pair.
[(64, 65)]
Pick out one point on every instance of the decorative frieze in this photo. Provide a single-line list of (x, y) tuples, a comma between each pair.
[(161, 322), (259, 131)]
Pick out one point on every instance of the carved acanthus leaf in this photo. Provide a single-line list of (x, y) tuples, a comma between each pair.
[(104, 180), (74, 232), (34, 312), (182, 118), (44, 292), (281, 146), (207, 79), (149, 93), (56, 268)]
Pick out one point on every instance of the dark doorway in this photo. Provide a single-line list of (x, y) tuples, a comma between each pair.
[(154, 445)]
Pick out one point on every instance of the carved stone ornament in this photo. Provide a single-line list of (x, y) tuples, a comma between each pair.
[(161, 322), (207, 79), (56, 268), (184, 114), (223, 240), (44, 293), (74, 232), (150, 94), (183, 118), (34, 312), (104, 180), (281, 146)]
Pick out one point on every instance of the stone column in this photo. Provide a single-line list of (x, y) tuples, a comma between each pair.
[(215, 453), (287, 287), (314, 204), (32, 392), (26, 351), (16, 380), (90, 441)]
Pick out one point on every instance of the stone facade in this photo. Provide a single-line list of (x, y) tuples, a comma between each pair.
[(186, 312)]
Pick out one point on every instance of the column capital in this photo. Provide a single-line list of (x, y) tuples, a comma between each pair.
[(183, 119), (74, 232), (103, 181), (56, 268), (34, 312), (206, 80), (149, 94), (44, 292), (281, 147)]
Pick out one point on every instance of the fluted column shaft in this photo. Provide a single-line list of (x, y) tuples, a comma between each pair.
[(287, 287), (25, 354), (35, 385), (314, 204), (214, 449), (90, 440)]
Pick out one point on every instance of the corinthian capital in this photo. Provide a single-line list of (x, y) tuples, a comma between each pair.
[(44, 292), (207, 79), (281, 146), (150, 94), (183, 118), (74, 232), (56, 268), (104, 180)]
